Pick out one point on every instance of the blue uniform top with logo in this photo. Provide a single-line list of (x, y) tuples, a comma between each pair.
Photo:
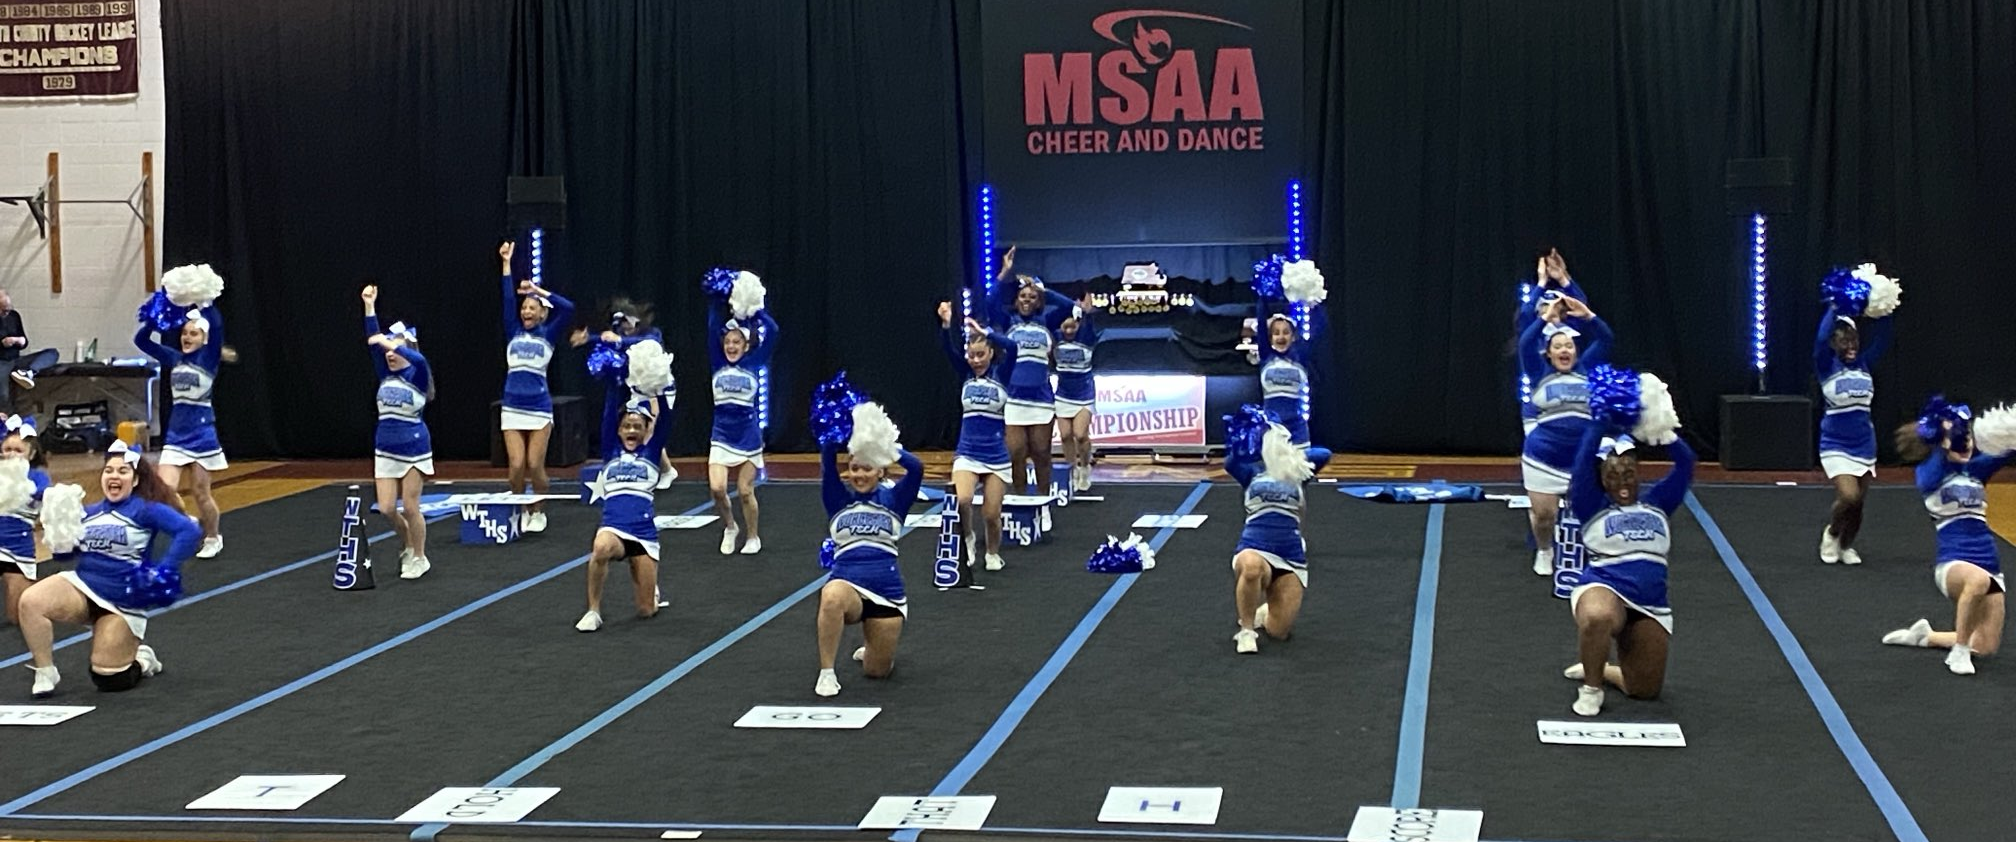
[(1560, 399), (1527, 313), (119, 537), (1074, 363), (1847, 389), (1273, 512), (737, 429), (983, 401), (1957, 499), (1032, 336), (628, 480), (1625, 547), (1284, 375), (192, 424), (17, 527), (528, 352), (402, 398), (865, 528)]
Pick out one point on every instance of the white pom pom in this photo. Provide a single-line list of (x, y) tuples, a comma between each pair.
[(1301, 283), (192, 286), (1658, 421), (1995, 430), (874, 439), (1141, 548), (16, 489), (63, 517), (650, 367), (1884, 292), (745, 298), (1285, 462)]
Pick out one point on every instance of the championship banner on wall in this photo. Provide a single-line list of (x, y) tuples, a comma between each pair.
[(1107, 123), (69, 50), (1149, 410)]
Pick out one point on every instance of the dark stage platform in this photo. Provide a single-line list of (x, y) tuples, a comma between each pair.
[(1426, 653)]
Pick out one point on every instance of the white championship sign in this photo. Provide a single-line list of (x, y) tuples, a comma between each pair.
[(1162, 805), (479, 805), (798, 716), (40, 714), (952, 812), (1385, 824), (266, 792), (1654, 734)]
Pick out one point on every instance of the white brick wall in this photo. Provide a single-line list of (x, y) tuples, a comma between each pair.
[(100, 144)]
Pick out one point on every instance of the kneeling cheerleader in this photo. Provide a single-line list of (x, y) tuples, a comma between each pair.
[(633, 441), (24, 476), (866, 518), (1271, 563)]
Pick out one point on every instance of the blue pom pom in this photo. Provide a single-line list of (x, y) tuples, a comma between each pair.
[(1245, 429), (1267, 276), (833, 405), (718, 282), (826, 554), (151, 586), (161, 314), (608, 360), (1111, 557), (1848, 294), (1931, 421), (1613, 396)]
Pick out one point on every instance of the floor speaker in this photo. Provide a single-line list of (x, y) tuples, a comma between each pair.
[(568, 444), (1767, 433)]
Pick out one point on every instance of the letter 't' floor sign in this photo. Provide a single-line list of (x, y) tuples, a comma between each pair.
[(1654, 734), (1162, 805), (1385, 824), (479, 804), (799, 716), (953, 812), (266, 792)]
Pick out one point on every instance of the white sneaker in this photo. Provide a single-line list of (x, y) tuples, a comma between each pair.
[(535, 521), (211, 547), (1588, 700), (1574, 672), (589, 622), (665, 479), (994, 562), (1850, 556), (1960, 660), (1830, 548), (1260, 616), (754, 546), (45, 681), (728, 537), (25, 378), (860, 654), (658, 596), (1543, 563), (829, 684), (405, 557), (1916, 635), (150, 664), (1044, 518), (1246, 641), (414, 567)]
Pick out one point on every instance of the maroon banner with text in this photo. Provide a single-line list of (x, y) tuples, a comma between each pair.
[(68, 50)]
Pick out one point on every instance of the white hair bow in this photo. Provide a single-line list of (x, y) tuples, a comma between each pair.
[(1616, 446), (1547, 333), (400, 330), (196, 318), (120, 450), (642, 407), (22, 426)]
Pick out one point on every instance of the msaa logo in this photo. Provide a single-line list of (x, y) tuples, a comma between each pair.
[(1057, 87)]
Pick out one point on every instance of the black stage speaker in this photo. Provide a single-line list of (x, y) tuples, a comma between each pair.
[(1757, 185), (536, 202), (1767, 433), (569, 444)]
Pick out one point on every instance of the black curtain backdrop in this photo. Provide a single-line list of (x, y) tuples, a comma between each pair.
[(823, 145)]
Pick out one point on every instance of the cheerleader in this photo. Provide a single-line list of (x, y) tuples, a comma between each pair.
[(1841, 360), (1077, 392), (741, 351), (981, 460), (191, 439), (534, 320), (404, 450), (866, 517), (18, 566), (1952, 476), (1551, 275), (1030, 315), (1551, 359), (630, 323), (1270, 544), (137, 525), (633, 439), (1626, 537), (1284, 375)]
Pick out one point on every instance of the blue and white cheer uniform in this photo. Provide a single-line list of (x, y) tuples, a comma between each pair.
[(1847, 436), (1956, 496), (191, 437), (1273, 519), (737, 435), (528, 402), (118, 538), (983, 403), (865, 528)]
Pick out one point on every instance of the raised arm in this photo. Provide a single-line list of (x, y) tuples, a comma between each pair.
[(212, 351), (1533, 354), (661, 428), (1056, 308), (1088, 326), (1671, 490), (717, 323), (1982, 467), (558, 321), (904, 496), (1824, 360), (614, 399), (1934, 469), (144, 340), (1000, 304), (1242, 468), (1875, 339), (371, 332), (419, 374), (832, 491), (183, 533), (1585, 485), (1597, 351), (765, 335)]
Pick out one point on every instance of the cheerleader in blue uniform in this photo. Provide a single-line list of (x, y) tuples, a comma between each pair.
[(404, 451), (18, 566), (191, 439), (981, 459), (1550, 276), (1077, 393), (1626, 538), (1967, 570), (633, 440), (1842, 355), (534, 319), (1270, 562), (741, 351), (136, 524), (1284, 375), (630, 323), (866, 518), (1030, 315), (1555, 362)]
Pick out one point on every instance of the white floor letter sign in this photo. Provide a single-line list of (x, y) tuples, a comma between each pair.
[(955, 812), (1384, 824), (266, 792), (479, 804), (1162, 805)]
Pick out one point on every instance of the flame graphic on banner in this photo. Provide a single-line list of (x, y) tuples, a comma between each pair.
[(1145, 41), (1104, 24)]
